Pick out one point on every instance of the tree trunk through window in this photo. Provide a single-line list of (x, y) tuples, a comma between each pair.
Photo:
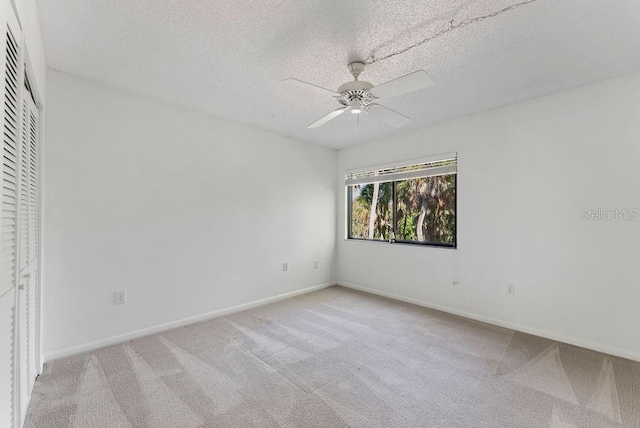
[(374, 204)]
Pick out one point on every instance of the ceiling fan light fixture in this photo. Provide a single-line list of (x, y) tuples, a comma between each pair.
[(356, 106)]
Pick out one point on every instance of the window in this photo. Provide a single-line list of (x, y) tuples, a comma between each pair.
[(414, 204)]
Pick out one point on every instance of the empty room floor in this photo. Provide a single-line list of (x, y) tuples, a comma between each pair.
[(335, 358)]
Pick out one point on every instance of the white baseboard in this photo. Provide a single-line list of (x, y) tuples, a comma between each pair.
[(623, 353), (90, 346)]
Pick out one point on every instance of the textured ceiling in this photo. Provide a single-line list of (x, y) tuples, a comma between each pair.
[(228, 57)]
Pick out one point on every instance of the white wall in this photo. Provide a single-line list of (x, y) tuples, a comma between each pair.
[(526, 172), (190, 214)]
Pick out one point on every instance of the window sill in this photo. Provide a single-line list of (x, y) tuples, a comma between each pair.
[(404, 243)]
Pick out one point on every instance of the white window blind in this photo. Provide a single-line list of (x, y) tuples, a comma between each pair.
[(442, 165)]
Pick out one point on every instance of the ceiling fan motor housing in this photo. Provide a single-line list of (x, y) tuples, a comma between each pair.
[(359, 97), (356, 92)]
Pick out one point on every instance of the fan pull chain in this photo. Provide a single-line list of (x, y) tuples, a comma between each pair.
[(452, 26)]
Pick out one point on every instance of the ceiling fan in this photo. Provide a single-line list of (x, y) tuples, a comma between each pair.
[(359, 96)]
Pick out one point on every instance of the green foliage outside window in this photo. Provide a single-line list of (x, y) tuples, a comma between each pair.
[(422, 211)]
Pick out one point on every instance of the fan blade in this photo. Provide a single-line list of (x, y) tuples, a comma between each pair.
[(409, 83), (328, 117), (305, 85), (388, 116)]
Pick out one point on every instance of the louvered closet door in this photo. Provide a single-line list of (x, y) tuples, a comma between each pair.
[(24, 280), (28, 305), (28, 293), (34, 244), (11, 70)]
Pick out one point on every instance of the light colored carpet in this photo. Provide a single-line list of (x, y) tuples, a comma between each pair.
[(338, 358)]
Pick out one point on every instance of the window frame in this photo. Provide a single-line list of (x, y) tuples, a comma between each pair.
[(394, 221)]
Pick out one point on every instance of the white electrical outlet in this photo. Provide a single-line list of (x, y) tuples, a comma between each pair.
[(511, 289), (119, 297), (455, 282), (316, 264), (285, 267)]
